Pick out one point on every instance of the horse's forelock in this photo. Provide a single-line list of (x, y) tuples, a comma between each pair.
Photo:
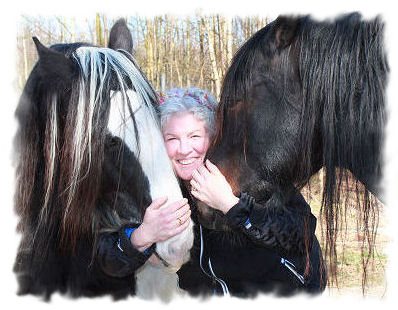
[(86, 128), (234, 96), (248, 67)]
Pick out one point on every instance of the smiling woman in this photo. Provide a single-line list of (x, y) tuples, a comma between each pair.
[(187, 142), (187, 121), (268, 248)]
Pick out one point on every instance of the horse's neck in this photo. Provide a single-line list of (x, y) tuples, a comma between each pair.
[(151, 151)]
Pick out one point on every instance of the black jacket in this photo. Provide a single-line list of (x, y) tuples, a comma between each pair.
[(259, 258), (248, 260)]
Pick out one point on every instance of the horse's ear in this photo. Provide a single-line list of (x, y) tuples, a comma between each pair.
[(286, 29), (54, 67), (120, 37)]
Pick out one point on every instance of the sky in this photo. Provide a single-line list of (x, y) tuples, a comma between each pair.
[(318, 9)]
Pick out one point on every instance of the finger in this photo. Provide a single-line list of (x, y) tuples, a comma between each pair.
[(212, 168), (171, 218), (185, 224), (194, 184), (203, 171), (182, 227), (177, 227), (180, 203), (158, 202), (184, 217), (197, 176), (169, 212), (178, 222), (182, 211), (195, 193)]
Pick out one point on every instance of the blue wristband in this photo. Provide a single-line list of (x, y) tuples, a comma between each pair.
[(129, 231), (247, 224)]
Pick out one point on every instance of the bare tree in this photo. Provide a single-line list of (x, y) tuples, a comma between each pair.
[(173, 52), (212, 54)]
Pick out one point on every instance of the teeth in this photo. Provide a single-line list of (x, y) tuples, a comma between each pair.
[(186, 161)]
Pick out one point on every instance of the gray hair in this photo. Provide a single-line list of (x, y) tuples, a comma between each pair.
[(195, 100)]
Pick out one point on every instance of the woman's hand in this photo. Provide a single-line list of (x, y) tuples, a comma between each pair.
[(161, 224), (210, 186)]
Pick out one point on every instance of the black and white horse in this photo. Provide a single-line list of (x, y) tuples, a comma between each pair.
[(90, 158)]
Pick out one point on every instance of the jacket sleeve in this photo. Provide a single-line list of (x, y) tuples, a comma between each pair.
[(116, 256), (287, 228)]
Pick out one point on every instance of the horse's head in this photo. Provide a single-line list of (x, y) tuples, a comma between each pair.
[(259, 113), (300, 94), (91, 152)]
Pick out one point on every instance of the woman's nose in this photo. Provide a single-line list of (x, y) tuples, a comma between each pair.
[(185, 148)]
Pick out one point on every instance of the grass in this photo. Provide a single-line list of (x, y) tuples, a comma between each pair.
[(349, 257)]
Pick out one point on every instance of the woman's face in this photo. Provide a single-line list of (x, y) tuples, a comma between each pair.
[(187, 142)]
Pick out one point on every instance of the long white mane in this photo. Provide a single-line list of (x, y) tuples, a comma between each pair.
[(133, 119)]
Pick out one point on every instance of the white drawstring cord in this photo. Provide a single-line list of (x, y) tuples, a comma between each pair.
[(224, 286), (213, 276), (222, 282), (291, 267)]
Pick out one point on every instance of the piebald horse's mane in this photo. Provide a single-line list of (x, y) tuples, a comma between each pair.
[(75, 145)]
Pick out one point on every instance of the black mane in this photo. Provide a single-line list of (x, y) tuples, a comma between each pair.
[(301, 94), (343, 70)]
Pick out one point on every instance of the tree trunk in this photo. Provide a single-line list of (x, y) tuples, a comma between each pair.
[(25, 60), (149, 50), (201, 24), (98, 30), (105, 31), (213, 62), (73, 32), (188, 54), (229, 40)]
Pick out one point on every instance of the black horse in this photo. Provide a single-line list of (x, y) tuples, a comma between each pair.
[(90, 159), (299, 95)]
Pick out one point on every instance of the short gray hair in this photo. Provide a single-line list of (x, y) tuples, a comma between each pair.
[(195, 100)]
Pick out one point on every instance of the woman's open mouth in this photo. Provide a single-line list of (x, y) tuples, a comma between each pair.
[(186, 162)]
